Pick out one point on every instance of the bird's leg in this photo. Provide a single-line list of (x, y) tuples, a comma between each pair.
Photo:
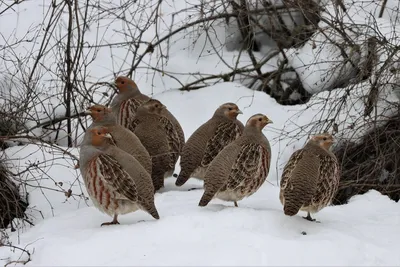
[(308, 217), (114, 221), (236, 205)]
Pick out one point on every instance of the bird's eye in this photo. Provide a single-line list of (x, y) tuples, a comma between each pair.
[(99, 110), (324, 139), (230, 108), (156, 105), (122, 82), (259, 119)]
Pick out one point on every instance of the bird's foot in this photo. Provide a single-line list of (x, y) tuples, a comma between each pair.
[(308, 218), (236, 205), (109, 223)]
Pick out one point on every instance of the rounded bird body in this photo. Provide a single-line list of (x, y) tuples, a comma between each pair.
[(240, 169), (208, 140), (116, 182), (129, 99), (310, 178), (161, 139), (122, 137)]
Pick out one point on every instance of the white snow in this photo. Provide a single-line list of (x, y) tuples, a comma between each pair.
[(67, 231), (363, 232)]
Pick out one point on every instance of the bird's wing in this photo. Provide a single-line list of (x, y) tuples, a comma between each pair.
[(328, 180), (251, 167), (289, 167), (115, 176), (173, 137), (224, 134)]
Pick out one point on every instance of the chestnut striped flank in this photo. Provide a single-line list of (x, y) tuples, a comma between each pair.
[(128, 110), (108, 184)]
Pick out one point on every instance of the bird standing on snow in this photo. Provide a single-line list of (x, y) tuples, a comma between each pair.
[(208, 140), (159, 136), (116, 182), (241, 168), (122, 137), (129, 99), (310, 178)]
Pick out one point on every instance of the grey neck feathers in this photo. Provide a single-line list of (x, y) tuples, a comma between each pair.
[(120, 97), (315, 147), (86, 153), (219, 114), (108, 119), (251, 130)]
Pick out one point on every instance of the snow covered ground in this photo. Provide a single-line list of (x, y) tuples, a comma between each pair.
[(363, 232)]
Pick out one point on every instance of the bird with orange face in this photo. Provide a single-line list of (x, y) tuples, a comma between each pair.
[(115, 181), (129, 99), (310, 178), (240, 169), (208, 140), (122, 137)]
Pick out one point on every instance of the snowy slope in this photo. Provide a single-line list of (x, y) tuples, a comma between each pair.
[(363, 232)]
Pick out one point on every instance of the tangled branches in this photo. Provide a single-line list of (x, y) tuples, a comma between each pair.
[(11, 204), (372, 163)]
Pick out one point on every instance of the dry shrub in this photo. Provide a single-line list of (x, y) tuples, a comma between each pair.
[(11, 204), (373, 163)]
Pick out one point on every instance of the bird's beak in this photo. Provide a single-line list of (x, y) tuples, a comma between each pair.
[(108, 135), (163, 107), (239, 111), (269, 121), (88, 111), (115, 87)]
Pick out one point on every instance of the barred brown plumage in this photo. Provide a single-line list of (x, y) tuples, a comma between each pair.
[(159, 136), (129, 99), (208, 140), (122, 137), (116, 182), (240, 169), (310, 178)]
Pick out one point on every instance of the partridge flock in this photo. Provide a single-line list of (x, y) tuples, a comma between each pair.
[(131, 147)]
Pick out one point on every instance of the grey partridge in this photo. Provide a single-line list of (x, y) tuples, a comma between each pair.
[(115, 181), (159, 136), (129, 99), (208, 140), (122, 137), (240, 169), (310, 179)]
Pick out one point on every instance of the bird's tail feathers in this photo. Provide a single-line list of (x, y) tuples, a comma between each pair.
[(207, 197), (291, 208), (182, 179), (153, 212)]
